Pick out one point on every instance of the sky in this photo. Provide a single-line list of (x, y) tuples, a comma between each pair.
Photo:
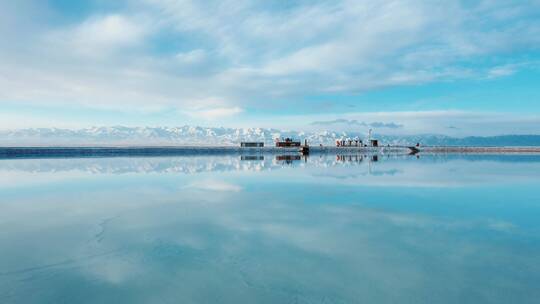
[(401, 67)]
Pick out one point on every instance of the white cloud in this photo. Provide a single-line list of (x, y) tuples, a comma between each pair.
[(168, 53), (501, 71), (191, 57), (464, 123), (215, 113), (109, 30), (98, 36)]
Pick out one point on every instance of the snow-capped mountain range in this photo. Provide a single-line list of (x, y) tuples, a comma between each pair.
[(194, 135)]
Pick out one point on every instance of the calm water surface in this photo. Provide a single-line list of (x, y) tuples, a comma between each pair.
[(271, 229)]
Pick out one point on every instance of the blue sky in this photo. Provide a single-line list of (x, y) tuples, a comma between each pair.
[(449, 67)]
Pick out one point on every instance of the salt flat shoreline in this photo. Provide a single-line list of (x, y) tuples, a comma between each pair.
[(111, 151), (450, 149)]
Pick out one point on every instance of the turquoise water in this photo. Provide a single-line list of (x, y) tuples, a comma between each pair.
[(270, 229)]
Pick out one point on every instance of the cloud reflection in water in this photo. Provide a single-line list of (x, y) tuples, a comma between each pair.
[(312, 231)]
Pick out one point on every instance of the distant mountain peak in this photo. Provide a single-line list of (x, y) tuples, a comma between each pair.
[(197, 135)]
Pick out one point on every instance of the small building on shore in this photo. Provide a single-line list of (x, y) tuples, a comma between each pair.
[(287, 142), (349, 143), (251, 144)]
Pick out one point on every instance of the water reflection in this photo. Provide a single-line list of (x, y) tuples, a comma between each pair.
[(233, 229), (404, 170)]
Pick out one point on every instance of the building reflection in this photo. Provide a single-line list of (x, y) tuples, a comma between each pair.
[(247, 162), (251, 157), (289, 159), (357, 158)]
